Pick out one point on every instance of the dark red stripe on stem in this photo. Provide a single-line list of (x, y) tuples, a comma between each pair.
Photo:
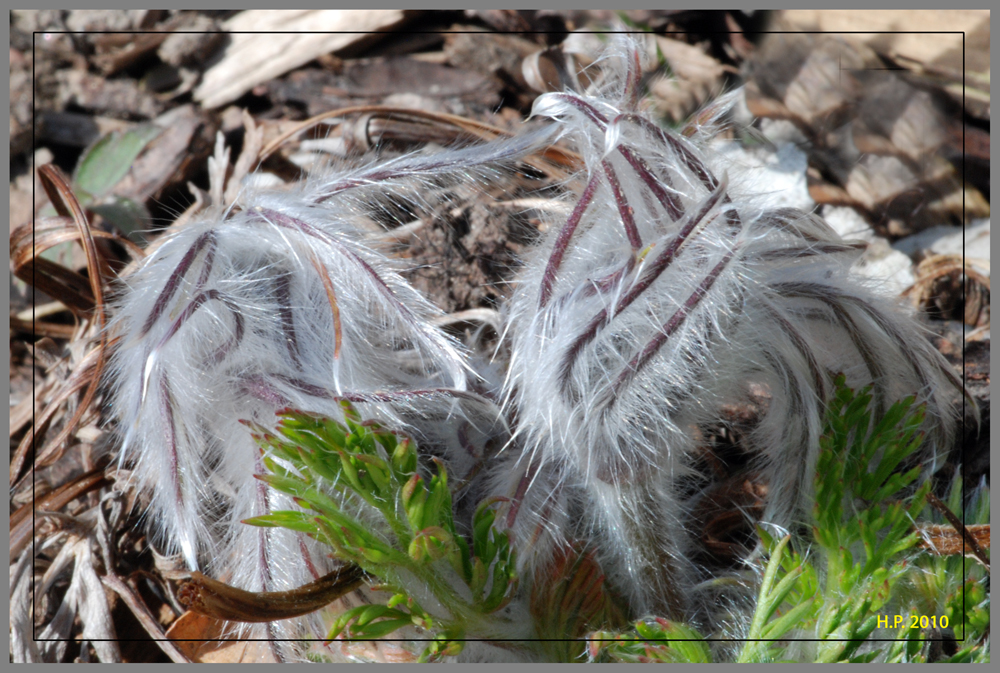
[(264, 538), (633, 77), (283, 290), (799, 252), (470, 157), (626, 211), (671, 326), (307, 388), (206, 267), (689, 158), (667, 200), (832, 298), (397, 395), (260, 388), (562, 241), (819, 380), (170, 437), (659, 265), (295, 224), (522, 489), (191, 308), (306, 556), (173, 282), (606, 284)]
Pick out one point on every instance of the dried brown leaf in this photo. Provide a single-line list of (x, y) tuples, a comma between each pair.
[(202, 639), (251, 59), (695, 78)]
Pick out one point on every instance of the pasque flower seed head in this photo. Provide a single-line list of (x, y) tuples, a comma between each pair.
[(664, 296), (282, 302)]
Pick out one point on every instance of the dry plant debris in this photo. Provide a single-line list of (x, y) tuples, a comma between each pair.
[(89, 86)]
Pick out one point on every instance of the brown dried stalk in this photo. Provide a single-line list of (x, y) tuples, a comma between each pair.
[(215, 599), (972, 541), (456, 128)]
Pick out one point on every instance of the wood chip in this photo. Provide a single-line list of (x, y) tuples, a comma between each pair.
[(109, 96), (171, 156), (198, 638), (881, 138), (491, 54), (946, 541), (903, 32), (191, 46), (77, 130), (695, 78), (927, 42), (252, 59)]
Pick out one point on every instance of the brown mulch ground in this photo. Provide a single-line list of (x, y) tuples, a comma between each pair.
[(77, 76)]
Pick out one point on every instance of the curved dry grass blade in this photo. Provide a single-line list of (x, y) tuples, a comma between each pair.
[(84, 373), (216, 599), (57, 281), (33, 238), (42, 328), (62, 197), (145, 618), (20, 415), (28, 241), (21, 524), (477, 130)]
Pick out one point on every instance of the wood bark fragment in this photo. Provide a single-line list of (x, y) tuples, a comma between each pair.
[(251, 59)]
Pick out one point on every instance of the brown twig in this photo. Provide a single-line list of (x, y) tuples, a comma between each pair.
[(970, 539), (81, 376), (61, 195), (39, 328), (478, 130), (21, 524), (145, 618), (944, 540)]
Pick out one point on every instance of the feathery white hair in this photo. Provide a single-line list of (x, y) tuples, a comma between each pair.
[(282, 303), (663, 297)]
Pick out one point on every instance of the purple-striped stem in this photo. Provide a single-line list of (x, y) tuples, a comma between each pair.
[(192, 307), (832, 299), (671, 326), (690, 159), (471, 157), (659, 265), (295, 224), (800, 251), (173, 282), (170, 439), (563, 239), (626, 211), (283, 291), (645, 173), (519, 493), (819, 379)]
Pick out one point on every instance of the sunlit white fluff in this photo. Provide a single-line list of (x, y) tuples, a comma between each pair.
[(620, 352), (665, 296), (282, 303)]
